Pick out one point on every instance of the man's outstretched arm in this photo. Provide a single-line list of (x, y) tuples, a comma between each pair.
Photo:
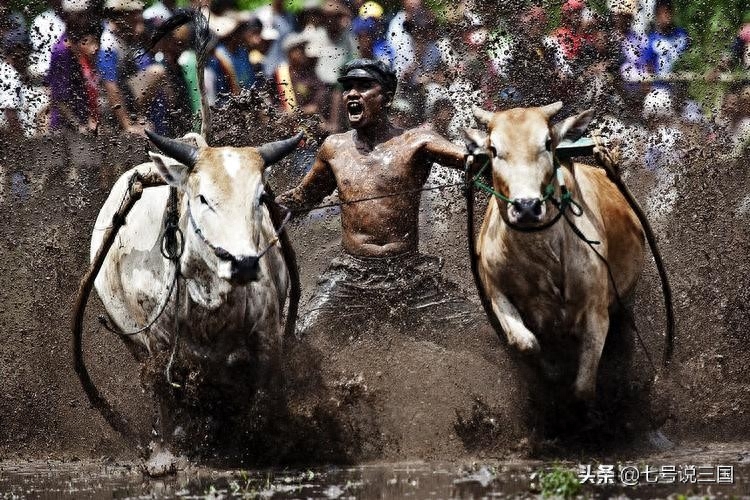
[(318, 183), (440, 150)]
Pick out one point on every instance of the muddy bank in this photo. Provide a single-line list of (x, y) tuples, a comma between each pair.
[(390, 397)]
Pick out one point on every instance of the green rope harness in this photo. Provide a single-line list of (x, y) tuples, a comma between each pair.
[(565, 202)]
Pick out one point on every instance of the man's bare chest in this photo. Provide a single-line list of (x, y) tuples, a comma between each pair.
[(377, 171)]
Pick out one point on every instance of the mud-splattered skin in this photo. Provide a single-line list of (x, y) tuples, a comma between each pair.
[(374, 159)]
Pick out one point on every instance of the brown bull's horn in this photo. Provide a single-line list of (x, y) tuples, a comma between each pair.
[(274, 151), (184, 153)]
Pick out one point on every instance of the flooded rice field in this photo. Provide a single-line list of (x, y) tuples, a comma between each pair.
[(449, 402), (714, 471)]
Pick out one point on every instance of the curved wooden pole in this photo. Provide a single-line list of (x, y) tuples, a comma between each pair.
[(112, 416)]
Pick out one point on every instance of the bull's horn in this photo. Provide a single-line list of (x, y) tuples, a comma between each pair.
[(184, 153), (274, 151), (483, 116), (551, 110)]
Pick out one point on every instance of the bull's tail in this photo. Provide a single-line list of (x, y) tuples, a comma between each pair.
[(200, 41)]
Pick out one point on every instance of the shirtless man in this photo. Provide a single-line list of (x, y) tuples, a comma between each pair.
[(380, 276)]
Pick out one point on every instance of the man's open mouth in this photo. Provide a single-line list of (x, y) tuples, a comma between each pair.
[(355, 109)]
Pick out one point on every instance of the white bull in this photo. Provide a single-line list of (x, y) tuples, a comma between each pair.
[(547, 286), (230, 302)]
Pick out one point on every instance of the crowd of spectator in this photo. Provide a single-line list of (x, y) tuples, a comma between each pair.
[(79, 66)]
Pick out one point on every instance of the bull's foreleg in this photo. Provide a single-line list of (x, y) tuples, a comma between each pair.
[(593, 335), (516, 332)]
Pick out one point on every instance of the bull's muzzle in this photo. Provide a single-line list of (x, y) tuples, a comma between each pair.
[(243, 269), (526, 211)]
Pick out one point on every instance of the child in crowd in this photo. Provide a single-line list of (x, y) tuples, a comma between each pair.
[(73, 80)]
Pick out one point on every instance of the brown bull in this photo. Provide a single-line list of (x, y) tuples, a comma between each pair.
[(543, 281)]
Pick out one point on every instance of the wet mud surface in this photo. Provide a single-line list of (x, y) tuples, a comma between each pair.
[(364, 398), (519, 478)]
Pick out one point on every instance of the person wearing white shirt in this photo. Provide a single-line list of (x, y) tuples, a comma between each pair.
[(45, 31), (19, 106)]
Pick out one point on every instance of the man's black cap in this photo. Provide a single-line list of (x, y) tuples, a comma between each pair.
[(369, 69)]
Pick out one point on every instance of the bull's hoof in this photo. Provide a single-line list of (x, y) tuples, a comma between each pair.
[(526, 344), (162, 462)]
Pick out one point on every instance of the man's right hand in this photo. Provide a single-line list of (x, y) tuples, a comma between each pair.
[(476, 145), (480, 157)]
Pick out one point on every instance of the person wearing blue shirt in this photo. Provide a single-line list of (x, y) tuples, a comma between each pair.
[(136, 86), (229, 63), (666, 43)]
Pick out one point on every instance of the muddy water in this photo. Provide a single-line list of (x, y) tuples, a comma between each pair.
[(483, 479)]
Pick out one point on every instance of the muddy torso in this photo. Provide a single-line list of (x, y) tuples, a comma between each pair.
[(385, 226)]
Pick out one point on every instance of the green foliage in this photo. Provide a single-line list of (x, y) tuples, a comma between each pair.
[(559, 482), (712, 27), (29, 8)]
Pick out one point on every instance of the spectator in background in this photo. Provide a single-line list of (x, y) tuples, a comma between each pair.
[(521, 60), (299, 87), (73, 82), (274, 16), (339, 46), (45, 32), (739, 58), (629, 52), (400, 38), (335, 46), (258, 40), (18, 104), (368, 29), (569, 40), (229, 64), (177, 118), (135, 85), (301, 91), (666, 43)]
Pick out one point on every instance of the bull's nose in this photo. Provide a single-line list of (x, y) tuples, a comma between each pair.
[(245, 269), (528, 210)]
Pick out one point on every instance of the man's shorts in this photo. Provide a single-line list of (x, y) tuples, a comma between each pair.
[(405, 292)]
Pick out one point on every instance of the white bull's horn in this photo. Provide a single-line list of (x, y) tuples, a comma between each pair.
[(184, 153), (274, 151)]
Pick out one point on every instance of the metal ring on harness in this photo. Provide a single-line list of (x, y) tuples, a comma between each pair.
[(172, 250)]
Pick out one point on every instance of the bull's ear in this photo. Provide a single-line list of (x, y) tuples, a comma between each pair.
[(482, 115), (476, 139), (551, 110), (173, 172), (572, 128)]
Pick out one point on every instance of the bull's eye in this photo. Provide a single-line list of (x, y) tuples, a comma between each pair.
[(205, 203)]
